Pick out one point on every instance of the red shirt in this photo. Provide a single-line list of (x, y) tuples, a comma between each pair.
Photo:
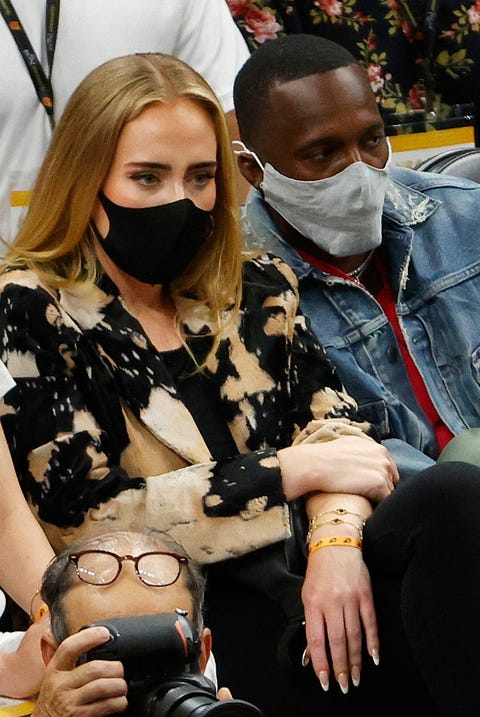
[(387, 301)]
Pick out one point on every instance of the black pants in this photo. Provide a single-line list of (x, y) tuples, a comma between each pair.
[(422, 547)]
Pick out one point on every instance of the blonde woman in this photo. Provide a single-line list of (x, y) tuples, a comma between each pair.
[(164, 379), (127, 264)]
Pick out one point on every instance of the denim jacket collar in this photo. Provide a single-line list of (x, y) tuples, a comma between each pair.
[(407, 206)]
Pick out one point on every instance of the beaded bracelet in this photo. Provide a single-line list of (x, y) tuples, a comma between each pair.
[(336, 540), (40, 611)]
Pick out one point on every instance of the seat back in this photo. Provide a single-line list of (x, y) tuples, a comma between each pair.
[(463, 162)]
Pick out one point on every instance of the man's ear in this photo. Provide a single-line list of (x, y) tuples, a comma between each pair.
[(250, 170), (48, 645), (206, 642)]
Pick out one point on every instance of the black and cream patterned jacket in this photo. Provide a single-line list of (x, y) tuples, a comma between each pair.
[(100, 438)]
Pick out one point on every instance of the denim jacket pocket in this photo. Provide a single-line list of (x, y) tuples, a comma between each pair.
[(475, 361), (376, 413)]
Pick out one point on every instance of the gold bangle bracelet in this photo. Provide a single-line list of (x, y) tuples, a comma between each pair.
[(339, 511), (336, 541), (333, 521)]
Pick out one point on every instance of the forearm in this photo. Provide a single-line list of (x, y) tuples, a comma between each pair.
[(10, 672), (25, 548), (26, 553), (21, 672)]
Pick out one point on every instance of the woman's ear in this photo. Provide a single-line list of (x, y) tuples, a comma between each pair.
[(206, 648), (249, 168)]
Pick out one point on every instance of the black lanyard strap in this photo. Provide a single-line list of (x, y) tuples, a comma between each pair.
[(41, 81)]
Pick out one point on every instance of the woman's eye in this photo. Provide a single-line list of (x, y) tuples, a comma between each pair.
[(200, 180), (145, 178)]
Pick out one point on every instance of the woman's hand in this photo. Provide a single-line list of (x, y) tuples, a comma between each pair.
[(348, 464), (338, 603)]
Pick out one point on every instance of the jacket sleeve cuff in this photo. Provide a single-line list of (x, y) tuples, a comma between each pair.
[(223, 509)]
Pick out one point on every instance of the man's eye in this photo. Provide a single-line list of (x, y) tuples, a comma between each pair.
[(320, 154)]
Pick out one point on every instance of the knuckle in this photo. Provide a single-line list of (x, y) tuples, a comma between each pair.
[(316, 643), (355, 635), (336, 638)]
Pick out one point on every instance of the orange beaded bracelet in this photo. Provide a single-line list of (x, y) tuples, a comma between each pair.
[(42, 610), (338, 540), (37, 615)]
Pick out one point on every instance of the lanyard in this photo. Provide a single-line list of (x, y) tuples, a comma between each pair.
[(41, 81)]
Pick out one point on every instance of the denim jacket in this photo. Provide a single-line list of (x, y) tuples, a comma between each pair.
[(431, 246)]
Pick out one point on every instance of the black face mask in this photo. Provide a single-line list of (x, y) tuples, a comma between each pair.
[(154, 244)]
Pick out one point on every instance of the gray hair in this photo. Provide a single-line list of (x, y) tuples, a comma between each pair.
[(59, 577)]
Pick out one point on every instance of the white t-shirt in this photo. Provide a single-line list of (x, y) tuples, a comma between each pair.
[(6, 383), (90, 32)]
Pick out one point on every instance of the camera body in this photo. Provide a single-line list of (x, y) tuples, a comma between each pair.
[(160, 655)]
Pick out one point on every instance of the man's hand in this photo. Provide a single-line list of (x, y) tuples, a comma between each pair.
[(90, 690), (224, 694)]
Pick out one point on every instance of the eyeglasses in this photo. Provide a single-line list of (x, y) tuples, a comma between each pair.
[(101, 567)]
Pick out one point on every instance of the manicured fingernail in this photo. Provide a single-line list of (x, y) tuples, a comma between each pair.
[(324, 681), (342, 679), (305, 657), (375, 657), (355, 675)]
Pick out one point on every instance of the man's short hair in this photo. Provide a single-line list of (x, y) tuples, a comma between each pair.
[(277, 61), (60, 575)]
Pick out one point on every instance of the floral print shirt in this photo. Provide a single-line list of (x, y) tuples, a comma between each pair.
[(418, 55)]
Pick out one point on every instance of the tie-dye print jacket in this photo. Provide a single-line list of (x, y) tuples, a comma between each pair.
[(100, 438)]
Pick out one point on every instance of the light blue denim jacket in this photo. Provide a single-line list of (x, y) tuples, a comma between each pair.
[(431, 245)]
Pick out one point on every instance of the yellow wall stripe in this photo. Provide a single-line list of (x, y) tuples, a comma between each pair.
[(434, 138), (22, 710), (20, 198)]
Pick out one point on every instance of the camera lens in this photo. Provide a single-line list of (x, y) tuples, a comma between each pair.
[(185, 701)]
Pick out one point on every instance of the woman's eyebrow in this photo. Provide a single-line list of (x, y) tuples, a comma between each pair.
[(148, 165), (159, 165)]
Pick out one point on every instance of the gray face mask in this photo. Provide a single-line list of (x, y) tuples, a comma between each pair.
[(342, 215)]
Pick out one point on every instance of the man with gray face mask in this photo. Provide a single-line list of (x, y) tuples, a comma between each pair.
[(388, 259)]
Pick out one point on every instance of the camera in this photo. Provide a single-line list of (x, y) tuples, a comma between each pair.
[(160, 655)]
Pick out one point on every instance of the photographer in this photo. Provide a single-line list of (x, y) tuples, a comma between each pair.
[(98, 687)]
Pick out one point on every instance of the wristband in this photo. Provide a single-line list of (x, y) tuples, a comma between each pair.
[(344, 541)]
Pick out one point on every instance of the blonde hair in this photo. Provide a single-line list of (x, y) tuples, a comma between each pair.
[(56, 238)]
